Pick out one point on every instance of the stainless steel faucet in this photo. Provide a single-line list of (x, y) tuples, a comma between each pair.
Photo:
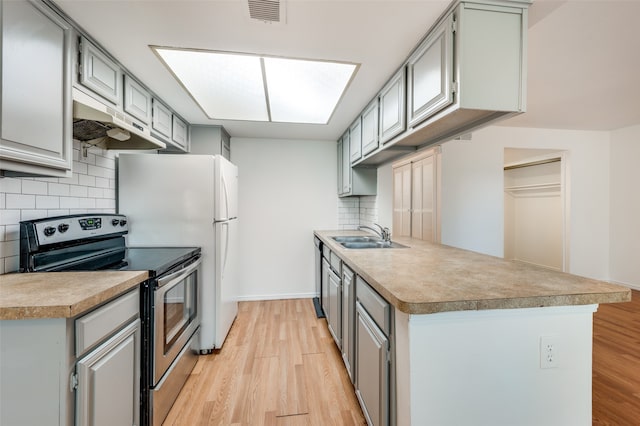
[(383, 233)]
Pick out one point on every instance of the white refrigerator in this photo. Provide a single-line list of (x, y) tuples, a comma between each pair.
[(188, 200)]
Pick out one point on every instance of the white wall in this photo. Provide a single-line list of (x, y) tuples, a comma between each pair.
[(472, 192), (287, 188), (625, 206)]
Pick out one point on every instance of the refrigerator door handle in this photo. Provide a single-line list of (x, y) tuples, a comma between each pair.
[(225, 227), (226, 197)]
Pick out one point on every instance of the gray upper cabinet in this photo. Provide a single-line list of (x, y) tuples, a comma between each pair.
[(36, 109), (180, 133), (137, 100), (99, 73), (161, 119), (430, 74), (345, 166), (355, 140), (468, 72), (370, 128), (393, 107)]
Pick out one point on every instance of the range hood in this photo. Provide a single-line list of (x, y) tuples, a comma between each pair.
[(103, 126)]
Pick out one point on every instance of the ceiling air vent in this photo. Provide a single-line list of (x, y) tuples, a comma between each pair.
[(268, 11)]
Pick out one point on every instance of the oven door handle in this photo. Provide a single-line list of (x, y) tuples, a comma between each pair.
[(179, 275)]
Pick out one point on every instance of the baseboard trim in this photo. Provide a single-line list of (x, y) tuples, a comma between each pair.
[(256, 297)]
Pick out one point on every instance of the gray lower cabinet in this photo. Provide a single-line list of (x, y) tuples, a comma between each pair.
[(36, 109), (348, 320), (73, 371), (373, 354), (108, 391), (334, 318), (325, 286)]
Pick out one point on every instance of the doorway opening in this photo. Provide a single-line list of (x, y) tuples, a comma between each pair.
[(536, 208)]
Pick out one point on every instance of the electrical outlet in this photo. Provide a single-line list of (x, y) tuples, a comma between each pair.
[(549, 351)]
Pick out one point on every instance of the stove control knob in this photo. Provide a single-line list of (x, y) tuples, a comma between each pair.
[(49, 231), (115, 222), (123, 222), (63, 227)]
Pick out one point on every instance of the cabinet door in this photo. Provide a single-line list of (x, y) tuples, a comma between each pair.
[(335, 312), (348, 320), (430, 74), (108, 390), (339, 166), (325, 288), (423, 199), (100, 74), (402, 200), (35, 123), (355, 140), (137, 100), (346, 164), (370, 128), (393, 108), (180, 134), (161, 119), (372, 369)]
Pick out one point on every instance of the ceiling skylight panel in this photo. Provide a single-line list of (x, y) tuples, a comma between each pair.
[(226, 86), (304, 91)]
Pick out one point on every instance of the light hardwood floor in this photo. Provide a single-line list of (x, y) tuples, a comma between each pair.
[(616, 363), (279, 366)]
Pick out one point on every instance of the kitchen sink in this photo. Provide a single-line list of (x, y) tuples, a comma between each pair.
[(366, 243), (357, 239)]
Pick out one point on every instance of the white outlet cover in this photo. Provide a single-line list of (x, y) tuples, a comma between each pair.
[(549, 351)]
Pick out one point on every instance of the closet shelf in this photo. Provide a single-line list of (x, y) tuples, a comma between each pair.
[(552, 185)]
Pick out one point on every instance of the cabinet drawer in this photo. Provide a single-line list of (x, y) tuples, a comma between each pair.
[(336, 263), (100, 323), (326, 252), (378, 308)]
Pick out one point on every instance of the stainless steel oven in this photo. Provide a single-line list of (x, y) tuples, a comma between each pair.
[(175, 322)]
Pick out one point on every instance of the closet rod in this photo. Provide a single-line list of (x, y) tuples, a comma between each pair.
[(533, 163)]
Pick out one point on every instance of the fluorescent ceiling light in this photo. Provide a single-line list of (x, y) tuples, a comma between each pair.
[(235, 86)]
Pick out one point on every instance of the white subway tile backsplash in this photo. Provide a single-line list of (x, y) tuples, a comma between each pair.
[(78, 191), (34, 187), (69, 202), (79, 168), (95, 192), (86, 180), (20, 201), (34, 198), (9, 217), (10, 185), (47, 202), (58, 189), (102, 182)]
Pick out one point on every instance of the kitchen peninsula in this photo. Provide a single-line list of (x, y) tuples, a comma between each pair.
[(472, 333)]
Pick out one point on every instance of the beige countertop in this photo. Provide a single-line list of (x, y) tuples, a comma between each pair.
[(61, 294), (426, 278)]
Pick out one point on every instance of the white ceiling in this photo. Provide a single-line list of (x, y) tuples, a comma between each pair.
[(583, 64)]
